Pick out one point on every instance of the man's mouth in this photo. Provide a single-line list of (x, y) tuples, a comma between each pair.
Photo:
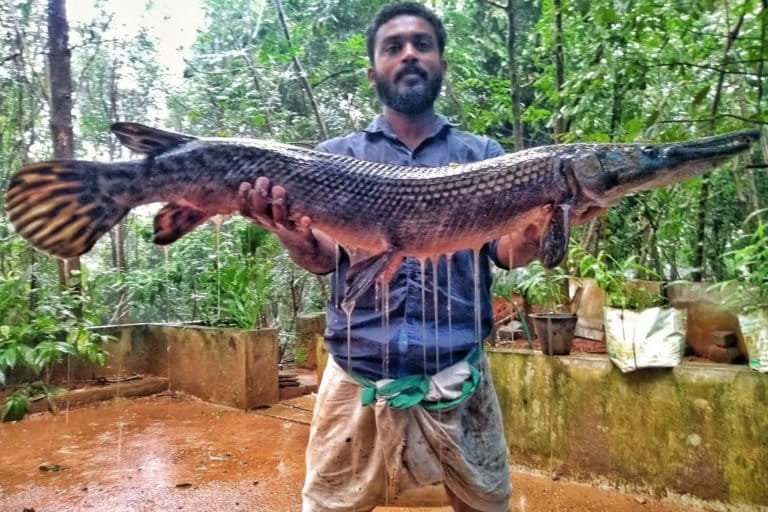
[(411, 75)]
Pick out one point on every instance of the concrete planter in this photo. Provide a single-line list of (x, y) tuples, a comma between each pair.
[(233, 367)]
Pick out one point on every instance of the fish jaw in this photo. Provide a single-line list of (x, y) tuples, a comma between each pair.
[(606, 173)]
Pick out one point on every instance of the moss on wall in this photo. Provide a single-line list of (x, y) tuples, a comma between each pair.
[(699, 429)]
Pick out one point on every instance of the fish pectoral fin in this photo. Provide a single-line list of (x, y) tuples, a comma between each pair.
[(554, 243), (175, 220), (362, 274), (147, 140)]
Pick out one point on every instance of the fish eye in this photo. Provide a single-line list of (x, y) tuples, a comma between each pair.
[(650, 151)]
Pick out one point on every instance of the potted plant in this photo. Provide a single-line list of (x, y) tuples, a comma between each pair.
[(554, 321), (747, 291), (640, 331)]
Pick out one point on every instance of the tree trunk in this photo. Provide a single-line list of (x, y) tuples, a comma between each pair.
[(302, 74), (60, 83), (699, 261), (559, 72), (514, 80), (117, 233)]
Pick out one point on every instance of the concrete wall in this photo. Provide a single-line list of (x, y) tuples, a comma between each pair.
[(227, 366), (698, 429)]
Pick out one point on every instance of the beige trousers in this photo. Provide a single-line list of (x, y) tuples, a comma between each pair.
[(361, 457)]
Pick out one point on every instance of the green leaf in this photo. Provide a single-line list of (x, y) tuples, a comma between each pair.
[(16, 406)]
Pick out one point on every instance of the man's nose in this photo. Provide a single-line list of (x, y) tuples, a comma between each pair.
[(409, 53)]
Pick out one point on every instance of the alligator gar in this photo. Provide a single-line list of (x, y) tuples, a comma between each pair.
[(63, 207)]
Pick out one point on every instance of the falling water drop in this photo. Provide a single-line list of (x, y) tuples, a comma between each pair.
[(422, 268), (449, 299), (348, 307), (166, 250), (336, 276), (218, 220), (436, 312), (476, 282), (385, 308)]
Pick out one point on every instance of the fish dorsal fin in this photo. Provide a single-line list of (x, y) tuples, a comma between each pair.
[(147, 140)]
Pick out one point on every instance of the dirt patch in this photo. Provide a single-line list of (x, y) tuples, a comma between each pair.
[(177, 453)]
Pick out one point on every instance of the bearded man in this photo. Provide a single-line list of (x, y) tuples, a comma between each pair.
[(406, 399)]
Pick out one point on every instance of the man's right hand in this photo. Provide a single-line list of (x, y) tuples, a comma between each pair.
[(266, 205)]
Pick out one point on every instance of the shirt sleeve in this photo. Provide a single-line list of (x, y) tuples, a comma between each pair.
[(493, 149)]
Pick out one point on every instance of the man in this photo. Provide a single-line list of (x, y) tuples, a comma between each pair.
[(363, 451)]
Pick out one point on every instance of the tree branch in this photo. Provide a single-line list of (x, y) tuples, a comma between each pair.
[(497, 5), (334, 75), (714, 118), (10, 57), (702, 66)]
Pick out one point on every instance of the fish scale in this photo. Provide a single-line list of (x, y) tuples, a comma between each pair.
[(385, 212)]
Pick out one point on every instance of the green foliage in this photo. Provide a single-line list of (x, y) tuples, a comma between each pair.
[(614, 278), (642, 70), (545, 287), (748, 264), (18, 403)]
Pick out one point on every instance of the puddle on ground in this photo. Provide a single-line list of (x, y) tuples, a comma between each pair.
[(151, 449)]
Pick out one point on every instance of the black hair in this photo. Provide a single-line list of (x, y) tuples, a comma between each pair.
[(390, 11)]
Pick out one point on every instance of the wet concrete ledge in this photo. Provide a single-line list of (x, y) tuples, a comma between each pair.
[(78, 397), (698, 429)]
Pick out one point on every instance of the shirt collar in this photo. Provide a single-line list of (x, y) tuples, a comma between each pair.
[(380, 125)]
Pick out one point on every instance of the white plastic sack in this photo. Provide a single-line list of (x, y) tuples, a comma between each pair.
[(754, 328), (653, 337)]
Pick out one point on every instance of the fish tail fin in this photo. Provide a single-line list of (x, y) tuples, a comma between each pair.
[(60, 206)]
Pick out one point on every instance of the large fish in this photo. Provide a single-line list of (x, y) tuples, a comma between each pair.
[(63, 207)]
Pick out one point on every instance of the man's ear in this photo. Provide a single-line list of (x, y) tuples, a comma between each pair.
[(444, 63), (371, 77)]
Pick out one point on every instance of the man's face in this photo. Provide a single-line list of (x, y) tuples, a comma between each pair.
[(408, 69)]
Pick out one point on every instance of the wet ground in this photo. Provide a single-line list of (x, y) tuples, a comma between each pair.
[(168, 452)]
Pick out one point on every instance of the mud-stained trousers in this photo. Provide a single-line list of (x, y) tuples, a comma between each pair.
[(360, 457)]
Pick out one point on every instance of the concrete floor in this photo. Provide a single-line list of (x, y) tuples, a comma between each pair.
[(170, 452)]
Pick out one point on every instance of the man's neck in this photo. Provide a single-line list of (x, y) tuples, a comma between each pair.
[(412, 130)]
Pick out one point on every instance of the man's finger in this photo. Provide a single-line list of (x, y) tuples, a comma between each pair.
[(258, 198), (279, 209), (242, 198)]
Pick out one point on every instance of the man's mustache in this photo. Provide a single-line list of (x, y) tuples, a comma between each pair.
[(410, 69)]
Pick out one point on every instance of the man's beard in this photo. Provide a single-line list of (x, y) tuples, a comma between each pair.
[(415, 100)]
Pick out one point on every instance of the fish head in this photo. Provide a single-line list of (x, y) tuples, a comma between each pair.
[(607, 172)]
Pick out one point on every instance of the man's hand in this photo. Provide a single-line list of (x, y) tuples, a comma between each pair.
[(520, 248), (266, 205)]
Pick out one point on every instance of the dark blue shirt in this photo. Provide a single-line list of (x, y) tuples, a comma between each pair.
[(415, 339)]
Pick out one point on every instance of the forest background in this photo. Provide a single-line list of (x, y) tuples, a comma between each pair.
[(525, 72)]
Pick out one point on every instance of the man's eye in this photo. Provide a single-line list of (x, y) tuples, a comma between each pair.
[(424, 45), (392, 48)]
